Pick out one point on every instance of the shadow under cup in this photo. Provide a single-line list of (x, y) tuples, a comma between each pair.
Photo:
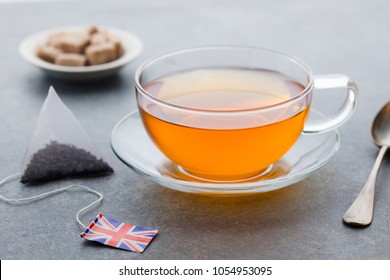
[(228, 113)]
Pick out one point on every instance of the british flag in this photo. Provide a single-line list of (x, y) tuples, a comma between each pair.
[(120, 235)]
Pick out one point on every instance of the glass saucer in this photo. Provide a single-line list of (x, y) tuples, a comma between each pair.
[(131, 143)]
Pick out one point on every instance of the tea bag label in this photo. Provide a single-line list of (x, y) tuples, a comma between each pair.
[(120, 235)]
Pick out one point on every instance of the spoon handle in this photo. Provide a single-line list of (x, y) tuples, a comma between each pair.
[(361, 210)]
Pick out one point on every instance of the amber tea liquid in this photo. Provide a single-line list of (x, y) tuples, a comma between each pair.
[(229, 146)]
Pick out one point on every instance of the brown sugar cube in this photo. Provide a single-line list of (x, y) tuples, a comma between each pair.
[(98, 38), (47, 53), (70, 42), (71, 59), (92, 29), (101, 53), (117, 42), (51, 39)]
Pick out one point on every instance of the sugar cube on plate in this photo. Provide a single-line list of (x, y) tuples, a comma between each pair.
[(71, 59), (101, 53), (47, 53)]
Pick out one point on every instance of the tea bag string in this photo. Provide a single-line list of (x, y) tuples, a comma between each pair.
[(17, 201)]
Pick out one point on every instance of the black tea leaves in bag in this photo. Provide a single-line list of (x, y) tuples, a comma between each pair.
[(60, 148)]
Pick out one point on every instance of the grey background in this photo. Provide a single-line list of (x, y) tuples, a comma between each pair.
[(299, 222)]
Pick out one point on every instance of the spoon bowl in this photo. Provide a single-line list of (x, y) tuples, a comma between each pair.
[(380, 129)]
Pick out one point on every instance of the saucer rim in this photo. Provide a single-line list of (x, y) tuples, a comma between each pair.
[(228, 187)]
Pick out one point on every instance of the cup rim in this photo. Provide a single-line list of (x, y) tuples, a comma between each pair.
[(152, 60)]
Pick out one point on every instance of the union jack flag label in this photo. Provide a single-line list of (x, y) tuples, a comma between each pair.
[(112, 233)]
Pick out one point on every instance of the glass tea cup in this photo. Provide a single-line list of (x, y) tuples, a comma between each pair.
[(227, 113)]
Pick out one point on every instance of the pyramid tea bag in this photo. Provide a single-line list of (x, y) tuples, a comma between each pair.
[(60, 148)]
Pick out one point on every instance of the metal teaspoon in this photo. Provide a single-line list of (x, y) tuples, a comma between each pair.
[(361, 210)]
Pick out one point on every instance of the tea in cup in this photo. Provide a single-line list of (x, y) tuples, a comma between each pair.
[(228, 113)]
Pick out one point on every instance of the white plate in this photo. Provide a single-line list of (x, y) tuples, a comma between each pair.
[(132, 46), (131, 143)]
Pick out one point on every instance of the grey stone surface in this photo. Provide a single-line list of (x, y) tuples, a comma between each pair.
[(299, 222)]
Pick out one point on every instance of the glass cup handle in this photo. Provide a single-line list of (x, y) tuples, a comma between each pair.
[(345, 110)]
